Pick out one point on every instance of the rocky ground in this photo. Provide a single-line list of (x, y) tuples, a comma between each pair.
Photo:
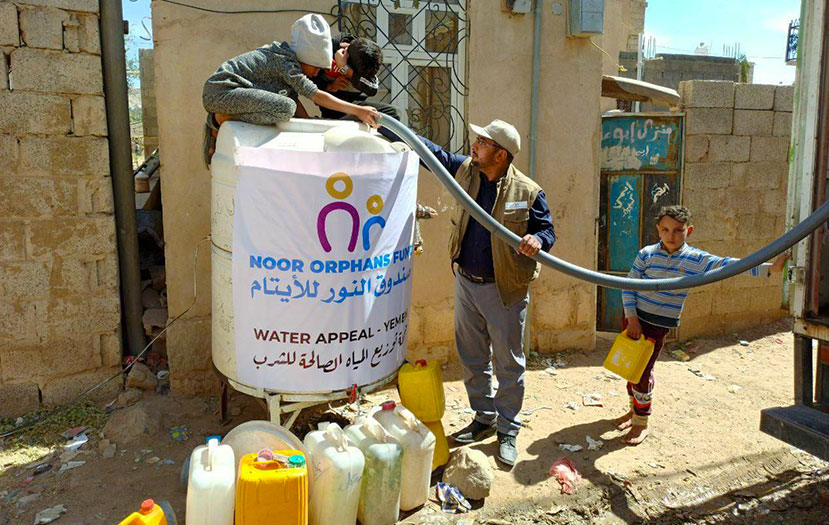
[(705, 462)]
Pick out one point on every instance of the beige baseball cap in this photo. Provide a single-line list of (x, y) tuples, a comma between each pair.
[(501, 132)]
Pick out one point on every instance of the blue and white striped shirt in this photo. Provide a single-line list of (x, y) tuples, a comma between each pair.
[(653, 262)]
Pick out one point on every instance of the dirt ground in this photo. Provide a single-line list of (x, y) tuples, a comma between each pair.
[(704, 462)]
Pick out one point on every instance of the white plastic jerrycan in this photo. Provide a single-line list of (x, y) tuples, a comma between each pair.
[(211, 486), (418, 448), (380, 487), (338, 471)]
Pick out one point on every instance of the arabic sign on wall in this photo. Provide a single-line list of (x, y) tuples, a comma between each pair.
[(322, 265), (640, 143)]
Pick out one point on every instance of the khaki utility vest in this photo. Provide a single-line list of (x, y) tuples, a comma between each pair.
[(513, 272)]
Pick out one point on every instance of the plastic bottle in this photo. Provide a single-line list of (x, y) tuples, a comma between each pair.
[(338, 470), (418, 444), (272, 491), (421, 390), (380, 487), (211, 485)]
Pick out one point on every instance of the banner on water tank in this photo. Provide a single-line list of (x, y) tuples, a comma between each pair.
[(322, 267)]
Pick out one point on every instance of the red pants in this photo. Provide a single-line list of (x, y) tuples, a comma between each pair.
[(641, 393)]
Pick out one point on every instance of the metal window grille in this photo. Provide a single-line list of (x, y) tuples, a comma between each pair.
[(424, 55), (791, 43)]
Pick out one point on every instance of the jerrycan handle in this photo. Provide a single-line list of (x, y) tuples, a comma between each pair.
[(374, 428), (336, 434), (407, 416), (421, 363), (212, 448)]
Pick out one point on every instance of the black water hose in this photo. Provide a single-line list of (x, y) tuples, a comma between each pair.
[(783, 243)]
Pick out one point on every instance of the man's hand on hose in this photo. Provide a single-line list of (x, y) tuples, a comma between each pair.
[(634, 329), (530, 245), (779, 262)]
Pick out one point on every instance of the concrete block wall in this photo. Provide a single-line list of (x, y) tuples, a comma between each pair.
[(149, 114), (736, 168), (59, 295)]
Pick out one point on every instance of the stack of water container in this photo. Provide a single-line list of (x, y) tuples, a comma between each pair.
[(421, 391), (370, 471)]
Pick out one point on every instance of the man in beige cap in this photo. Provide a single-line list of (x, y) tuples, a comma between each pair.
[(492, 280)]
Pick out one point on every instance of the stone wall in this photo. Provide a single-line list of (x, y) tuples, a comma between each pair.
[(59, 295), (149, 115), (736, 151)]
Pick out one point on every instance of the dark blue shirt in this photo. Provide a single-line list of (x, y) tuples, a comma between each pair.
[(476, 246)]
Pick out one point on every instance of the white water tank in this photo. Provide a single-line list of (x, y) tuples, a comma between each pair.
[(295, 135)]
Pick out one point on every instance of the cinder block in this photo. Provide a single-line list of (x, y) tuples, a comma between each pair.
[(25, 280), (64, 156), (20, 322), (83, 315), (73, 276), (4, 71), (753, 122), (72, 73), (89, 34), (774, 149), (734, 301), (111, 352), (33, 113), (96, 196), (728, 148), (89, 116), (17, 399), (89, 6), (707, 175), (782, 124), (753, 96), (774, 202), (9, 28), (708, 121), (106, 272), (696, 148), (37, 197), (763, 175), (706, 94), (43, 27), (52, 358), (63, 389), (784, 98), (72, 236), (12, 241), (9, 152)]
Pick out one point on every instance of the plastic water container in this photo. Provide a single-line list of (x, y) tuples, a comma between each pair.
[(380, 487), (252, 436), (629, 357), (421, 389), (441, 456), (148, 514), (418, 444), (338, 470), (211, 485), (272, 492)]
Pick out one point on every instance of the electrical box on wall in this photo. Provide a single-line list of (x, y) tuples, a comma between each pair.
[(586, 17), (517, 7)]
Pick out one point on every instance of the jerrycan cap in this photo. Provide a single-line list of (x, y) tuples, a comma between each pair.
[(420, 362), (388, 405), (147, 505), (296, 461)]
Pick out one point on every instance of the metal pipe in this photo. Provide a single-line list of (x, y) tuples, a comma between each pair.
[(539, 11), (120, 165), (783, 243)]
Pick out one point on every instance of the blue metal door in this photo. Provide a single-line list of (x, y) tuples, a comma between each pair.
[(641, 167)]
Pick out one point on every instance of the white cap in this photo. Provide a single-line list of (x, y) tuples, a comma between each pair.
[(311, 41), (501, 132)]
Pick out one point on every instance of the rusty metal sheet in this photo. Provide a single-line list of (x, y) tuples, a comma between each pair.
[(640, 143)]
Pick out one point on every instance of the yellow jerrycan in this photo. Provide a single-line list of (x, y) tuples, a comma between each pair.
[(441, 456), (150, 513), (628, 357), (421, 390), (272, 488)]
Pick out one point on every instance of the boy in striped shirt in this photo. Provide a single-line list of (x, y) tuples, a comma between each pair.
[(653, 314)]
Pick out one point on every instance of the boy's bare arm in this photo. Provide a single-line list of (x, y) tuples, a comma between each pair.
[(367, 114), (779, 262)]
